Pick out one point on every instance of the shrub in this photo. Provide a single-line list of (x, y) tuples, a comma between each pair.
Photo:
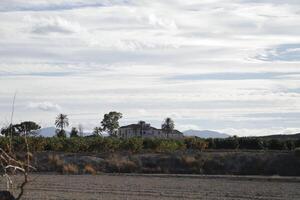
[(196, 143), (170, 145), (109, 144), (211, 143), (89, 169), (275, 144), (121, 165), (55, 163), (70, 169), (227, 143), (189, 160), (152, 144), (290, 144), (55, 160), (132, 144), (297, 152), (250, 143)]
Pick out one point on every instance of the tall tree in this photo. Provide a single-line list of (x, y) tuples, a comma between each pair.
[(168, 126), (97, 131), (28, 127), (110, 122), (74, 132), (9, 131), (61, 122)]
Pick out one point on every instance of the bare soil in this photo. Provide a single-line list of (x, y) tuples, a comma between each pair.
[(163, 187)]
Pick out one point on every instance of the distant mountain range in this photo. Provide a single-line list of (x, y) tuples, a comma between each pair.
[(205, 134), (47, 132), (50, 132)]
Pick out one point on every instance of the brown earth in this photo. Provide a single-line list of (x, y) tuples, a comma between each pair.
[(164, 187)]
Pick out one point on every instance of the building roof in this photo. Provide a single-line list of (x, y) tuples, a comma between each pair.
[(137, 126)]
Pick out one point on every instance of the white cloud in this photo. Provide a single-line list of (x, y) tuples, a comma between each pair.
[(44, 106), (54, 25), (262, 131), (161, 22), (184, 127), (235, 59)]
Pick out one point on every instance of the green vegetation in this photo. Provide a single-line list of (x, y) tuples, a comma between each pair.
[(168, 126), (74, 132), (27, 127), (99, 144), (61, 122), (110, 122)]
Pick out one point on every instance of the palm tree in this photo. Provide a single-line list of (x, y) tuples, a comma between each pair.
[(168, 126), (61, 122), (142, 126)]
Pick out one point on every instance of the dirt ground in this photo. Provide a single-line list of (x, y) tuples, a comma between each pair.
[(147, 187)]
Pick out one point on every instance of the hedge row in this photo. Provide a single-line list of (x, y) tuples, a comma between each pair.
[(109, 144)]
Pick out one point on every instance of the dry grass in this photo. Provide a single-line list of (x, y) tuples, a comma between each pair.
[(89, 169), (121, 164), (189, 160), (70, 169), (55, 160)]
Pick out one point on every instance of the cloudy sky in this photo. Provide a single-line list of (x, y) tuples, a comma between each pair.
[(225, 65)]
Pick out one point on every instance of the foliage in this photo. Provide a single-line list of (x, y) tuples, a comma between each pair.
[(28, 127), (250, 143), (228, 143), (196, 143), (61, 122), (61, 133), (110, 122), (168, 126), (74, 132), (276, 144), (138, 144), (160, 145), (132, 144), (97, 131)]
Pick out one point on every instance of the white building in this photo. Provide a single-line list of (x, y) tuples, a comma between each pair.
[(146, 131)]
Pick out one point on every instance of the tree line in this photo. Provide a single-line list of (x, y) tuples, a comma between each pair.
[(96, 144), (109, 124)]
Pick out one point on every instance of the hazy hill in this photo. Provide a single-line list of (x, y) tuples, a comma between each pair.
[(205, 134), (47, 132), (50, 132)]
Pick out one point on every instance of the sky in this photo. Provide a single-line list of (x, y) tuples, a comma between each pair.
[(226, 65)]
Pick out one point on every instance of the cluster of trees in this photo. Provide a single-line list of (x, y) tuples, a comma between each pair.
[(254, 143), (28, 127), (109, 124)]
